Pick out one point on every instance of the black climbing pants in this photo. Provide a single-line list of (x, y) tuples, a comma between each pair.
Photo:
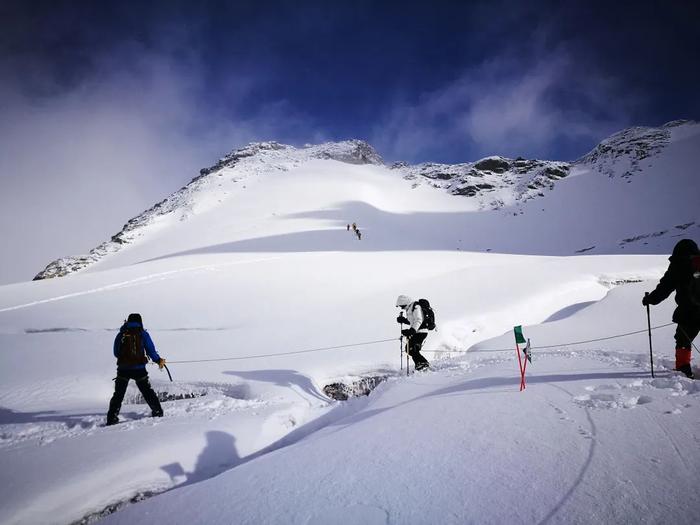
[(140, 376), (415, 343)]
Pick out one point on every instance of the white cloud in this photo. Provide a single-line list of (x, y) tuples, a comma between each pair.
[(507, 106), (77, 163)]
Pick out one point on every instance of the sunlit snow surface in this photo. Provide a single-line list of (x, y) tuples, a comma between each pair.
[(271, 269)]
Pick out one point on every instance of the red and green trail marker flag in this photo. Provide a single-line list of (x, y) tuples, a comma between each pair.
[(520, 339)]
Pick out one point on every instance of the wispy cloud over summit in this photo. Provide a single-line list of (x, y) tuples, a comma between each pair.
[(509, 106)]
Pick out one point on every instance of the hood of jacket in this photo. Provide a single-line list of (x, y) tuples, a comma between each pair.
[(684, 249), (130, 324), (403, 301)]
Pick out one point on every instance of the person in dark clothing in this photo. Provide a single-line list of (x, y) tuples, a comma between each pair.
[(415, 333), (678, 278), (131, 345)]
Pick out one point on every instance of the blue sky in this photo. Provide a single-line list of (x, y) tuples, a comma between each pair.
[(109, 106), (441, 81)]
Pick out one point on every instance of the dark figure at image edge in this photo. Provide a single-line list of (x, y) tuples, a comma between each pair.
[(412, 315), (131, 345), (683, 278)]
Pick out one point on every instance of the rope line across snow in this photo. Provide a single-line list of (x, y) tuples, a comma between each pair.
[(307, 351), (285, 353), (618, 336)]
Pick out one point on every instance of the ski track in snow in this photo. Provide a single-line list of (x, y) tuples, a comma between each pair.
[(160, 276)]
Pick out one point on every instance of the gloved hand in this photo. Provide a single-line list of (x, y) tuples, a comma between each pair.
[(408, 332), (402, 320), (645, 300), (161, 363)]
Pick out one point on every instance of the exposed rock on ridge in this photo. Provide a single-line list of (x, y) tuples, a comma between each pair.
[(487, 179)]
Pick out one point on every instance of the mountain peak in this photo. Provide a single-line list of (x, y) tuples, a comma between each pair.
[(622, 153), (353, 151)]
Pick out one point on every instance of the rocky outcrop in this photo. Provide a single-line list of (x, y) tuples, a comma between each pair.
[(621, 154), (520, 178)]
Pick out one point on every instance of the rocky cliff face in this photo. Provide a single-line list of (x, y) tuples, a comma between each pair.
[(494, 181), (628, 149)]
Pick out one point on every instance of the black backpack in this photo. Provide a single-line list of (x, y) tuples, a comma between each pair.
[(694, 283), (131, 350), (428, 315)]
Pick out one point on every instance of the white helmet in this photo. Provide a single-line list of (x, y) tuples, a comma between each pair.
[(403, 301)]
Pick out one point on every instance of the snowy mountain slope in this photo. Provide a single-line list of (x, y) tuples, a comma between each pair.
[(205, 191), (264, 266), (526, 189), (57, 363)]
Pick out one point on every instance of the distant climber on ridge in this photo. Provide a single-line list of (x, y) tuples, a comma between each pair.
[(683, 277), (131, 345)]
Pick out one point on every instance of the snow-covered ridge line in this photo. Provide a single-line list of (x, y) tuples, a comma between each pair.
[(630, 146), (493, 182), (350, 151), (272, 155)]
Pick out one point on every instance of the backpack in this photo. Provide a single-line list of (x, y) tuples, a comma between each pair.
[(428, 315), (131, 350), (694, 283)]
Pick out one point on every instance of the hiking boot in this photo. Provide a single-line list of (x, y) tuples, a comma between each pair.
[(422, 366), (683, 356), (685, 369), (112, 421), (157, 413)]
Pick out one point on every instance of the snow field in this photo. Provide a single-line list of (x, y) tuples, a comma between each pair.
[(459, 446), (262, 264), (257, 405)]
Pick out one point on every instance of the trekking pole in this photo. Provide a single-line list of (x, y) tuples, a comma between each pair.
[(401, 349), (651, 354), (408, 365), (168, 371)]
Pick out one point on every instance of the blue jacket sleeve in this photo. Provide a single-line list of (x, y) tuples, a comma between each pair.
[(115, 348), (150, 347)]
